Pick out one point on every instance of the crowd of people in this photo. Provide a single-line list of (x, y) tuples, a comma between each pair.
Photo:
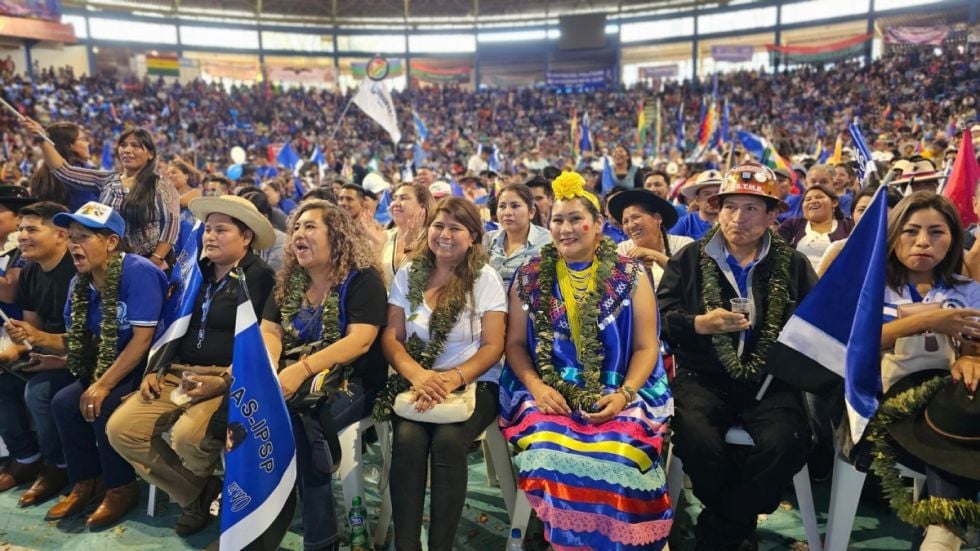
[(912, 96), (588, 321)]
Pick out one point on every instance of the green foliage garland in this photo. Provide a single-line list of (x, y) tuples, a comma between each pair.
[(778, 284), (79, 339), (443, 320), (590, 354), (934, 510), (299, 281)]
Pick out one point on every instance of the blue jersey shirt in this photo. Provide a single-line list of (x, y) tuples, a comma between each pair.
[(142, 291), (692, 226)]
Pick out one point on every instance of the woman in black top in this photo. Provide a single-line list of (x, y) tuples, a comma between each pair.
[(183, 467), (329, 289)]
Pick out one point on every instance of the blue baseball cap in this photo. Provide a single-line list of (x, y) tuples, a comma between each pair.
[(94, 216)]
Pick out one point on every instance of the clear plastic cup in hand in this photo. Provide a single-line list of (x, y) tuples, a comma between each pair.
[(741, 306)]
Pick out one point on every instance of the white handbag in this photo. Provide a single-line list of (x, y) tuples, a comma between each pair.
[(456, 408)]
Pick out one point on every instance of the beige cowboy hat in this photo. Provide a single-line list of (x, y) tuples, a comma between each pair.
[(240, 209)]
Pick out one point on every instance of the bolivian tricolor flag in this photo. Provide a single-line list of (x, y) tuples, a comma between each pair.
[(163, 65)]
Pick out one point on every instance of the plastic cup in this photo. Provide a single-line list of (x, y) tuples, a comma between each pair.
[(741, 306)]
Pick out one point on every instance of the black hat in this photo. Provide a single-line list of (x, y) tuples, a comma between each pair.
[(944, 433), (648, 199), (15, 197), (550, 173)]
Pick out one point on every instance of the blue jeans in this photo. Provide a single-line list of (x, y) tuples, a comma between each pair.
[(40, 391), (15, 422), (319, 511), (86, 445)]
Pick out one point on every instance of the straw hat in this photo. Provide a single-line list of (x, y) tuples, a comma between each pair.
[(240, 209)]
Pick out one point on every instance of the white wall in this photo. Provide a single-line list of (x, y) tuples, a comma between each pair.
[(75, 56)]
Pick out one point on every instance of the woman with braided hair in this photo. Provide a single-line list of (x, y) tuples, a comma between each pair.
[(584, 396), (646, 217)]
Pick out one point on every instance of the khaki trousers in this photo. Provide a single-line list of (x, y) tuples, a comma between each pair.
[(181, 467)]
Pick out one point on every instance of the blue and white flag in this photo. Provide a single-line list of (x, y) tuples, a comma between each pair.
[(608, 181), (317, 158), (421, 131), (185, 282), (288, 158), (754, 144), (838, 324), (585, 143), (260, 453), (865, 164)]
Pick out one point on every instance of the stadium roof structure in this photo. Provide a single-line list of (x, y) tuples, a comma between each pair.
[(420, 14)]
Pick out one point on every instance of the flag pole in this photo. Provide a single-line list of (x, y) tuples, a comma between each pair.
[(20, 117), (731, 153), (341, 119)]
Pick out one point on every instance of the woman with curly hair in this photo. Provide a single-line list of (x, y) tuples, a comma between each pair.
[(584, 394), (328, 290), (446, 315)]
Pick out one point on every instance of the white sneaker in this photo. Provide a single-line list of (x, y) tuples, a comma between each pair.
[(938, 538)]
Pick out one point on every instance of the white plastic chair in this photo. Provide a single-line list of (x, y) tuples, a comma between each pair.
[(351, 473), (845, 493), (737, 436)]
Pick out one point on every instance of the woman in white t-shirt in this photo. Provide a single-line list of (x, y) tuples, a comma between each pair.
[(446, 319)]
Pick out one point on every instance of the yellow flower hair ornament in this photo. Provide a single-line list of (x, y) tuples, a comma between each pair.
[(571, 185)]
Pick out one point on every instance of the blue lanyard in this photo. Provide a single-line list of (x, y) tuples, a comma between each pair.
[(206, 308)]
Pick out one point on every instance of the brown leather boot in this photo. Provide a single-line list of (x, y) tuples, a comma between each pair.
[(16, 473), (84, 492), (116, 503), (51, 481)]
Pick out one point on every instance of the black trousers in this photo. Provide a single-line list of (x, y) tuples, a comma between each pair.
[(413, 445), (736, 483)]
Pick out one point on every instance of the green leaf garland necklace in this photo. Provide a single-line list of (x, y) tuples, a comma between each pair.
[(443, 320), (778, 285), (299, 281), (79, 339), (922, 513), (581, 398)]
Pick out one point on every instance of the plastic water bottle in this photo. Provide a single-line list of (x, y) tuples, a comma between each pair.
[(358, 531), (516, 542)]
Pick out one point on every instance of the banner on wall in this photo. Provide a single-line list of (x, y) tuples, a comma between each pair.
[(306, 75), (247, 72), (36, 29), (658, 71), (920, 36), (359, 68), (598, 78), (428, 73), (821, 53), (732, 52)]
